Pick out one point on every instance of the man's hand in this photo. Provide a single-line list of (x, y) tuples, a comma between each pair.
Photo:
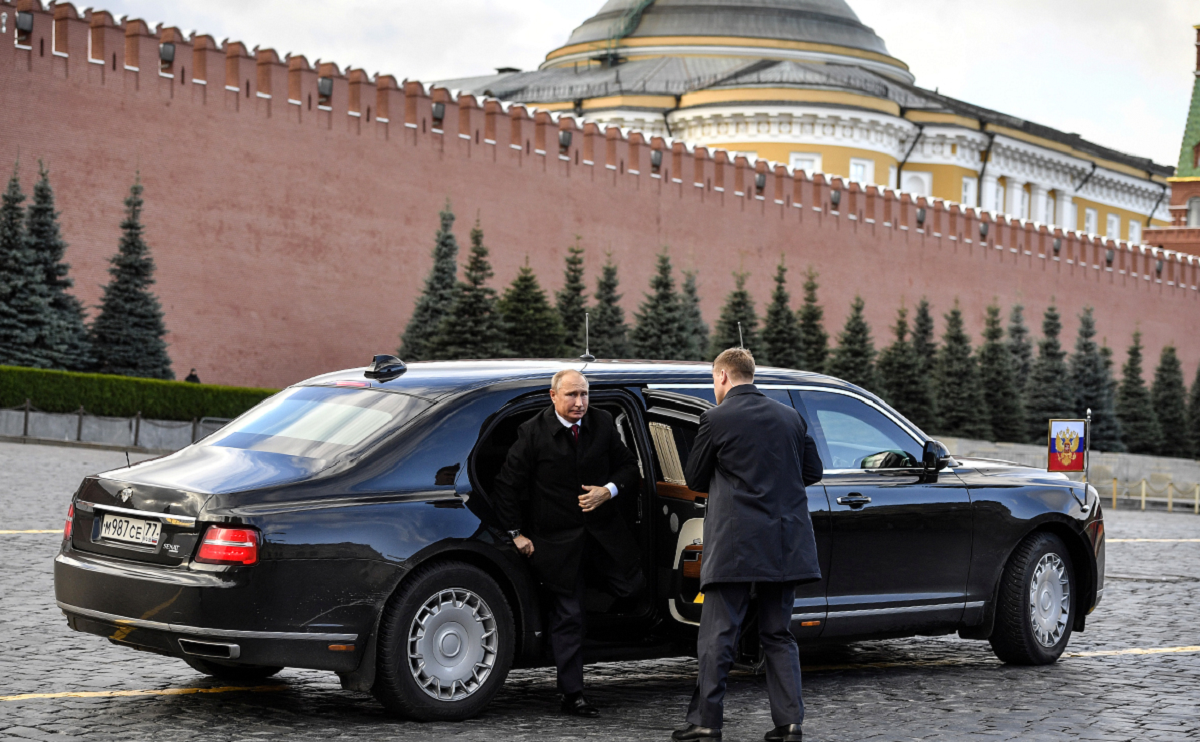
[(524, 545), (593, 497)]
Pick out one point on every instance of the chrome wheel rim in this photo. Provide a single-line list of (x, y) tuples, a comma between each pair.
[(452, 644), (1049, 600)]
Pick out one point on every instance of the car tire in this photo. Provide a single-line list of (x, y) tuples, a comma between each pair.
[(242, 673), (1036, 601), (449, 624)]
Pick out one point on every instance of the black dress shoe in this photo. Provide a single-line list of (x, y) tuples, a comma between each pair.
[(693, 732), (785, 733), (576, 705)]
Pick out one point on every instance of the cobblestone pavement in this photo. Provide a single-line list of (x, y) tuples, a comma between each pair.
[(941, 688)]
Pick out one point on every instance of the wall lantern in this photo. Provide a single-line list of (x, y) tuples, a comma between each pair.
[(25, 21), (983, 230), (921, 216), (166, 53), (3, 22), (656, 159), (760, 181), (564, 140), (1057, 245), (1109, 256), (1158, 267), (835, 198), (439, 113), (324, 90)]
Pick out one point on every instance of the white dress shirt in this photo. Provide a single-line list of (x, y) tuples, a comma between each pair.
[(568, 424)]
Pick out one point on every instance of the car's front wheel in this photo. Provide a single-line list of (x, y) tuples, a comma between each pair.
[(445, 644), (1036, 605)]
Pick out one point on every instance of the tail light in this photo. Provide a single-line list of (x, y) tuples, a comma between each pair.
[(70, 523), (228, 546)]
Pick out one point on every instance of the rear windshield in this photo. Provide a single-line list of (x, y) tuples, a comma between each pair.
[(318, 422)]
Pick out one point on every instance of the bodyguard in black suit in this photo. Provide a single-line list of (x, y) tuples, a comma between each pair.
[(567, 463), (754, 458)]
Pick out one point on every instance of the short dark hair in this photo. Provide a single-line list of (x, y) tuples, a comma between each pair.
[(737, 362)]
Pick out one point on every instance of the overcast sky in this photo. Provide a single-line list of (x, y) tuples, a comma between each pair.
[(1117, 72)]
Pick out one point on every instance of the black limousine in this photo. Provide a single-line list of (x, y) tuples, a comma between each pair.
[(344, 524)]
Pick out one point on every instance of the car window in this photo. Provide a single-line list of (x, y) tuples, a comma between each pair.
[(855, 435), (318, 422)]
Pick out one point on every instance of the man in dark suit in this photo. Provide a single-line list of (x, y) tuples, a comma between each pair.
[(569, 531), (754, 457)]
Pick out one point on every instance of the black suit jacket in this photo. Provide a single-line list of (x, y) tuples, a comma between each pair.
[(754, 457), (538, 489)]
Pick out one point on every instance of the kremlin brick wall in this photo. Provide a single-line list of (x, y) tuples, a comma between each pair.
[(293, 237)]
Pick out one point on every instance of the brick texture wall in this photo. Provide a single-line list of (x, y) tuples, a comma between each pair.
[(291, 238)]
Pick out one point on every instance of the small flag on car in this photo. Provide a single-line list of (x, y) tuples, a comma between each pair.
[(1067, 445)]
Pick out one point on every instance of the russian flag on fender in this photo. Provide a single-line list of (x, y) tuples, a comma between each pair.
[(1067, 445)]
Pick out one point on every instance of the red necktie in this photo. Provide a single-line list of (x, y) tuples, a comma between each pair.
[(575, 431)]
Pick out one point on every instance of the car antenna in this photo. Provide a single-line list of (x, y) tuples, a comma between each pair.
[(587, 356), (741, 344)]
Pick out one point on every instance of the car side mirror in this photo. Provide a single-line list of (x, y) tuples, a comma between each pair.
[(935, 456)]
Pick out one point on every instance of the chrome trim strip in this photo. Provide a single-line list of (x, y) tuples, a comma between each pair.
[(175, 520), (897, 609), (142, 623), (808, 617), (972, 604)]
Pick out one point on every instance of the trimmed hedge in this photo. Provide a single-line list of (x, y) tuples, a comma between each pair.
[(123, 396)]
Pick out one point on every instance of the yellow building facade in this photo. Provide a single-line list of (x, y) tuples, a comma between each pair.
[(805, 83)]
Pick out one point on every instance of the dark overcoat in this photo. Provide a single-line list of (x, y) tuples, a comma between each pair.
[(538, 489), (754, 458)]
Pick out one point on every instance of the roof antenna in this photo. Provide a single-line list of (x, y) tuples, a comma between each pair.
[(741, 344), (587, 356)]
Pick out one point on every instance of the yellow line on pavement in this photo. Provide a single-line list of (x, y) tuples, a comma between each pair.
[(1154, 540), (151, 692), (10, 533)]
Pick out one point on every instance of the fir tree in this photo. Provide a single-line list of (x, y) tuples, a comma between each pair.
[(127, 336), (1194, 414), (694, 329), (781, 332), (962, 407), (571, 302), (1135, 409), (902, 381), (474, 327), (997, 373), (609, 333), (532, 328), (66, 340), (1170, 406), (813, 338), (853, 359), (925, 346), (1049, 394), (1093, 383), (1019, 345), (24, 301), (435, 302), (659, 331), (738, 310)]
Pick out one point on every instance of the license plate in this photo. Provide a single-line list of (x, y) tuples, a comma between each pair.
[(130, 530)]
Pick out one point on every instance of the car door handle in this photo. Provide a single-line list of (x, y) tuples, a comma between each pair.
[(854, 500)]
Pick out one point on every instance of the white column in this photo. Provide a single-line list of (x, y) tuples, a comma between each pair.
[(1065, 212), (1038, 211), (1015, 197), (987, 195)]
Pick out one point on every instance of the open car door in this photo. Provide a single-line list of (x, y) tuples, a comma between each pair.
[(673, 420)]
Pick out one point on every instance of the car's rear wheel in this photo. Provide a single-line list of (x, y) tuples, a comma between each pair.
[(241, 673), (1036, 606), (445, 644)]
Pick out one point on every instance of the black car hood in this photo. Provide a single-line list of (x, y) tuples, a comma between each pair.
[(216, 470), (1001, 468)]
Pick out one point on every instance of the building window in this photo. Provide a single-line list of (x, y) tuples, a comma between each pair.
[(809, 162), (1135, 231), (892, 176), (1193, 214), (1112, 227), (1090, 220), (862, 171), (968, 191)]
